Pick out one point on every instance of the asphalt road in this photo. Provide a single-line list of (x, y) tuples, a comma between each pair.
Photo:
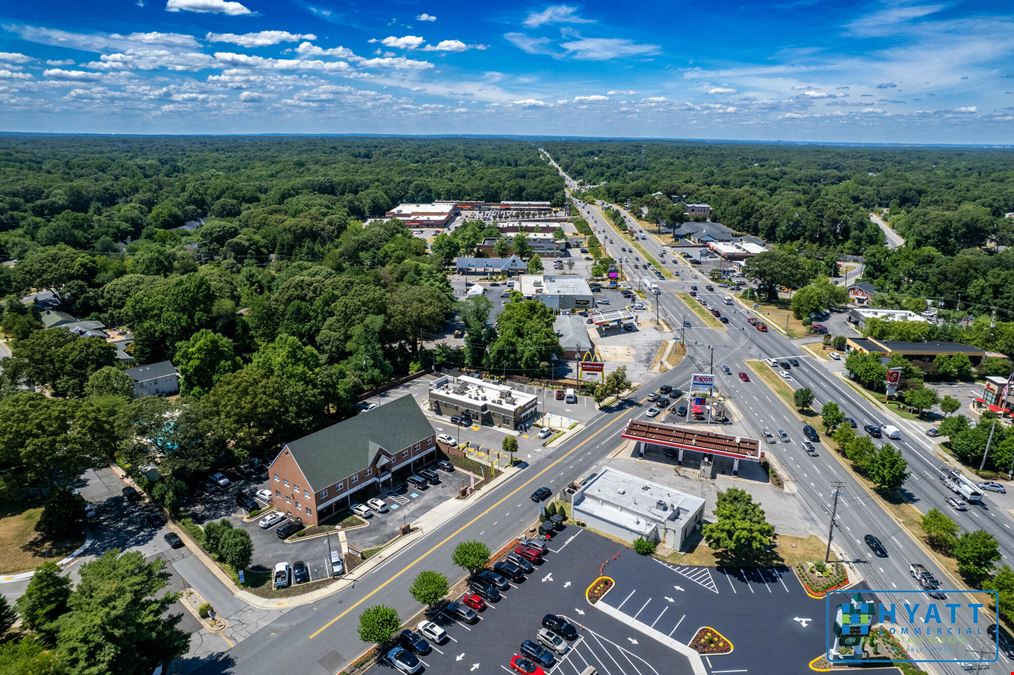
[(857, 515)]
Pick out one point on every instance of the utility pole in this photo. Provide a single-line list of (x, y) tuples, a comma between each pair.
[(683, 330), (834, 511)]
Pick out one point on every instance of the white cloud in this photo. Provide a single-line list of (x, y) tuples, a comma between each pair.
[(404, 42), (621, 92), (152, 58), (555, 14), (887, 21), (260, 62), (14, 57), (529, 103), (251, 96), (530, 44), (262, 38), (396, 62), (966, 109), (207, 7), (6, 74), (60, 62), (156, 38), (603, 49), (77, 75), (426, 17), (309, 49), (721, 90), (452, 46), (594, 98)]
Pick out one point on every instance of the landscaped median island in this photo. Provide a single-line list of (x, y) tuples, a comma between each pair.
[(820, 578), (599, 588), (709, 642), (703, 314)]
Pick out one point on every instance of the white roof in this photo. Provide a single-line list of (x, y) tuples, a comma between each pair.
[(553, 284), (433, 208), (889, 314), (476, 289), (634, 502)]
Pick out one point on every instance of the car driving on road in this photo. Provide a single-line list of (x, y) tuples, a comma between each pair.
[(875, 546)]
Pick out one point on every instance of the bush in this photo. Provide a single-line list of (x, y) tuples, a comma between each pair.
[(194, 530), (644, 546), (235, 548), (204, 611)]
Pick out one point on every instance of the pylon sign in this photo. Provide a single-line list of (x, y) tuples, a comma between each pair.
[(702, 381)]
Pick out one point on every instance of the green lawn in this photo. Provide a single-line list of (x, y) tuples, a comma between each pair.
[(22, 548)]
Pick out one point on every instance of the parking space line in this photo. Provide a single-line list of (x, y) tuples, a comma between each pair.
[(760, 571), (726, 575), (664, 610), (745, 580), (677, 625), (626, 598), (642, 607), (609, 654), (781, 581)]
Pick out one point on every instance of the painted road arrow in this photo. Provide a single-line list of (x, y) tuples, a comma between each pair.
[(668, 599), (475, 666), (579, 611), (680, 589), (566, 584), (548, 577), (460, 656), (632, 641), (802, 621)]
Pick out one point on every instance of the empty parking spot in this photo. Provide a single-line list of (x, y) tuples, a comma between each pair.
[(699, 575)]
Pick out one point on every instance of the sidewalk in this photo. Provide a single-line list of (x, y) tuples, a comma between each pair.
[(428, 522)]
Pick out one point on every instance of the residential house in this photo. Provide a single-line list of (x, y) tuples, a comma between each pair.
[(155, 379), (861, 293)]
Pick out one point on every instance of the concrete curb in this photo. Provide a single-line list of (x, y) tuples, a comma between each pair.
[(696, 662), (362, 570), (22, 576)]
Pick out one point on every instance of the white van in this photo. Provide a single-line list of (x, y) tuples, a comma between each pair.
[(570, 396), (891, 431), (727, 300)]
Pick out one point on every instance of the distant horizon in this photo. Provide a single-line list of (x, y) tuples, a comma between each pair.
[(520, 137), (873, 72)]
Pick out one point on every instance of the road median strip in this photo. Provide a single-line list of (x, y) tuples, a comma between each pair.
[(703, 314)]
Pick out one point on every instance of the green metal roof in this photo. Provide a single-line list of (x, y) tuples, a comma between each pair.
[(340, 450)]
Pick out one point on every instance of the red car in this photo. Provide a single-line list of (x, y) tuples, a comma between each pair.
[(529, 553), (762, 327), (744, 377), (474, 601), (525, 666)]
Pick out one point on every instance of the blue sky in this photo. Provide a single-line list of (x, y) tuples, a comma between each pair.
[(803, 70)]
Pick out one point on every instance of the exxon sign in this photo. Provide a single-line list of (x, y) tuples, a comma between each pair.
[(702, 381)]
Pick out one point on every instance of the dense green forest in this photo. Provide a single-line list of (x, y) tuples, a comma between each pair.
[(280, 311)]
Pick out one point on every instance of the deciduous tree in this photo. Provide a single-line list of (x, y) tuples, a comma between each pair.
[(429, 587), (941, 531), (378, 624), (471, 555), (740, 531), (45, 601), (976, 553)]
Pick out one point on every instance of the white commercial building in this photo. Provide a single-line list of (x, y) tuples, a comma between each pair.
[(483, 402), (437, 214), (559, 292), (736, 250), (860, 315), (628, 507)]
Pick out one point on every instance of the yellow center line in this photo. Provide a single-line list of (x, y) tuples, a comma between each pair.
[(458, 531)]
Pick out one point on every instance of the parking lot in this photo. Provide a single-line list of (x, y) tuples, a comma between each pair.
[(557, 586)]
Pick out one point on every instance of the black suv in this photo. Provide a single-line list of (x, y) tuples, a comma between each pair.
[(810, 433), (875, 546), (300, 572), (245, 501), (541, 494), (494, 578), (288, 528), (560, 626), (431, 476), (414, 642), (485, 589), (418, 482), (510, 570), (873, 430), (445, 465), (665, 389)]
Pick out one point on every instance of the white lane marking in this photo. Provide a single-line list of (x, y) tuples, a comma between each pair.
[(642, 607), (626, 598), (664, 610), (677, 625)]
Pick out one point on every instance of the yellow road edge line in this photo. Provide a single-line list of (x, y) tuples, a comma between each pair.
[(454, 534)]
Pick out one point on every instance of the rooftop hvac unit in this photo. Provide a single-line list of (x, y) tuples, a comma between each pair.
[(660, 505), (621, 491), (645, 488)]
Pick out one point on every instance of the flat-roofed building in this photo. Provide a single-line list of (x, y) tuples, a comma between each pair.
[(559, 292), (914, 351), (435, 214), (860, 315), (736, 250), (698, 209), (484, 402), (628, 507), (487, 266)]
